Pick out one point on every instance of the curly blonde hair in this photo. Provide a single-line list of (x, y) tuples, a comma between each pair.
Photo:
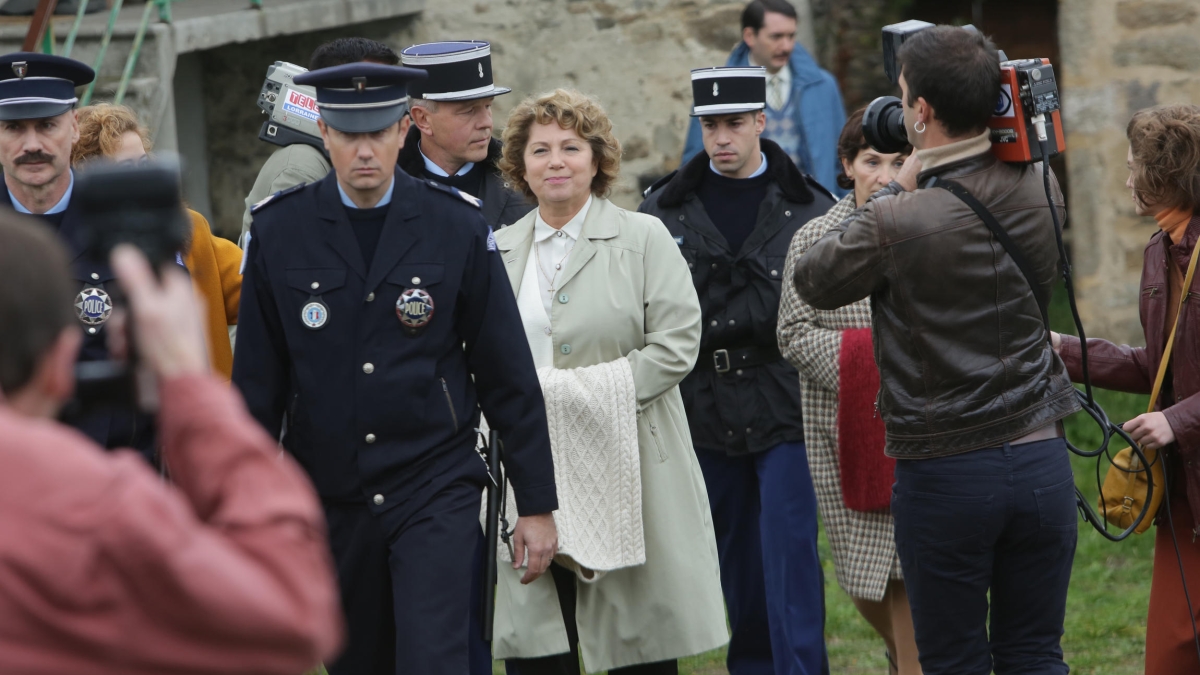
[(570, 109), (1165, 143), (101, 127)]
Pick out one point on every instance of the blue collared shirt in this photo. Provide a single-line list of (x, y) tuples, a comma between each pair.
[(383, 201), (57, 208), (438, 171), (762, 168)]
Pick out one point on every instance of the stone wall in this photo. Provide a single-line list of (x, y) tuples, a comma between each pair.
[(232, 76), (633, 55), (1118, 56)]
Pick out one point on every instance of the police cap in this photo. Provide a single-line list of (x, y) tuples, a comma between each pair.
[(33, 86), (728, 90), (458, 71), (361, 97)]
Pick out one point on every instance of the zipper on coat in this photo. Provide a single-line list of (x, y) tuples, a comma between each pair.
[(449, 403), (1149, 292)]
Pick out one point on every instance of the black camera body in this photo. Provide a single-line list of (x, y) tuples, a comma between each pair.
[(123, 204), (1027, 111)]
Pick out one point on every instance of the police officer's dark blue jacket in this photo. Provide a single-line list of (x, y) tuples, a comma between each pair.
[(752, 408), (113, 427), (374, 412)]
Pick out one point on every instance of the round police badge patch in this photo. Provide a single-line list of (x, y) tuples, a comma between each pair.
[(314, 315), (93, 306), (415, 309)]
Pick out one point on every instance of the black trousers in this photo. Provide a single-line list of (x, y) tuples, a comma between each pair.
[(407, 586), (568, 663), (1001, 520)]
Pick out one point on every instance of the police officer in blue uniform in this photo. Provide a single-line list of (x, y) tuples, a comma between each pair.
[(376, 319), (37, 130)]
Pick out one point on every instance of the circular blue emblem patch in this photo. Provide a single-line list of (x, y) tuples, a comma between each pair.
[(415, 308), (314, 315), (94, 306)]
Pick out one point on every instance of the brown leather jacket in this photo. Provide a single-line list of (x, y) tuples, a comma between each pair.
[(963, 353), (1133, 369)]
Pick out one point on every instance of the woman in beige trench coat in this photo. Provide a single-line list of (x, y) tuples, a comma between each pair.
[(622, 289)]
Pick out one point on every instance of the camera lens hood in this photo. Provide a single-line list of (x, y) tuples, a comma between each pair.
[(883, 125)]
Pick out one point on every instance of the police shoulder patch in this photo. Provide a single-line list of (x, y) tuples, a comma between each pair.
[(470, 199), (271, 199)]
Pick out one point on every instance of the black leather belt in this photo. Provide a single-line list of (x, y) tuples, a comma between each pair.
[(725, 360)]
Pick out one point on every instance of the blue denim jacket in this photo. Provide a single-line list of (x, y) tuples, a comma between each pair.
[(820, 114)]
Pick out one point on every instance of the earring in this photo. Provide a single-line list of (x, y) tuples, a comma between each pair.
[(920, 130)]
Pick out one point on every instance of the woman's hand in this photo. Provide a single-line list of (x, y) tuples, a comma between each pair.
[(1056, 342), (536, 535), (1151, 430)]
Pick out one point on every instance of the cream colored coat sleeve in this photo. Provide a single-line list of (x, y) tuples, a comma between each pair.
[(672, 324)]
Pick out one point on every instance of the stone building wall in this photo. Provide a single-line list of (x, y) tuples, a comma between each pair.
[(232, 77), (633, 55), (1118, 56)]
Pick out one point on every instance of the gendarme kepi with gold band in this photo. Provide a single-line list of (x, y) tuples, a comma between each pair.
[(33, 86), (361, 98), (458, 71), (728, 90)]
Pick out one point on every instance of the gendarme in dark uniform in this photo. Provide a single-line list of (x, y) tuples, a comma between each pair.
[(42, 87), (461, 71), (743, 398), (381, 332)]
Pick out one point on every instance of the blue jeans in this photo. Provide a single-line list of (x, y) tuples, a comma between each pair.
[(765, 516), (1001, 520)]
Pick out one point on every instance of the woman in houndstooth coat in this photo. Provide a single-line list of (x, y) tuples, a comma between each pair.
[(863, 543)]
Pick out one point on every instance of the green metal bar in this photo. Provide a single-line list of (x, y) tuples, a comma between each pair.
[(70, 43), (48, 39), (108, 33), (256, 4), (131, 62), (164, 10)]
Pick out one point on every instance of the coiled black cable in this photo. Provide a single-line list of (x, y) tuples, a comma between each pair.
[(1086, 398)]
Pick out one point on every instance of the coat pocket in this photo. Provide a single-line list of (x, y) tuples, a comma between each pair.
[(650, 436)]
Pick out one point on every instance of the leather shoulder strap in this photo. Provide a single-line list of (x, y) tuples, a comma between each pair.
[(1166, 359), (1001, 235)]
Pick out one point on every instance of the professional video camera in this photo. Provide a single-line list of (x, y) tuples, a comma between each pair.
[(292, 108), (139, 205), (1027, 111)]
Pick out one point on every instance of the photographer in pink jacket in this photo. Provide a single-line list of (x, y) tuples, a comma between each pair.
[(104, 568)]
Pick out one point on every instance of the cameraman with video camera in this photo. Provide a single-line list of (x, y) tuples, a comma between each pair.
[(971, 390)]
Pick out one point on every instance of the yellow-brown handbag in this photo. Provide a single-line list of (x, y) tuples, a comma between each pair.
[(1124, 493)]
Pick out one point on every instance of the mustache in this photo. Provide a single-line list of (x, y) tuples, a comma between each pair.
[(34, 157)]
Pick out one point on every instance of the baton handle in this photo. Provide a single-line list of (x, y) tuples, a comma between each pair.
[(494, 491)]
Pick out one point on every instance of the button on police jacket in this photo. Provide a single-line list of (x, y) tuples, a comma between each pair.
[(758, 407), (404, 427)]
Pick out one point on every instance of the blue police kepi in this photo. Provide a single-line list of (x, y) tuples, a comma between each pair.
[(376, 321)]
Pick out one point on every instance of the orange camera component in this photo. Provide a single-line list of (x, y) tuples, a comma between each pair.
[(1027, 88)]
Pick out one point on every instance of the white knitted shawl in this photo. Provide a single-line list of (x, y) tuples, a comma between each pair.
[(592, 417)]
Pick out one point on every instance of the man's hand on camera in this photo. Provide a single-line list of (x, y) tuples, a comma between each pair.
[(1056, 342), (166, 316), (537, 534), (1151, 430), (907, 178)]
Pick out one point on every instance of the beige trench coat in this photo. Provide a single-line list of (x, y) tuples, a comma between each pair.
[(626, 291)]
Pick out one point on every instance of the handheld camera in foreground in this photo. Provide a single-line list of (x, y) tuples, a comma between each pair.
[(1027, 111), (139, 205)]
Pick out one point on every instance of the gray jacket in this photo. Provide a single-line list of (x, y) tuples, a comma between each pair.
[(288, 166)]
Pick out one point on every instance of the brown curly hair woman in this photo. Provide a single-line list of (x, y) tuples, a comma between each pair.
[(113, 132), (1164, 183)]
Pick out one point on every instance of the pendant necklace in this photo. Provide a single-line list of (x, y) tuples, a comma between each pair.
[(557, 266)]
